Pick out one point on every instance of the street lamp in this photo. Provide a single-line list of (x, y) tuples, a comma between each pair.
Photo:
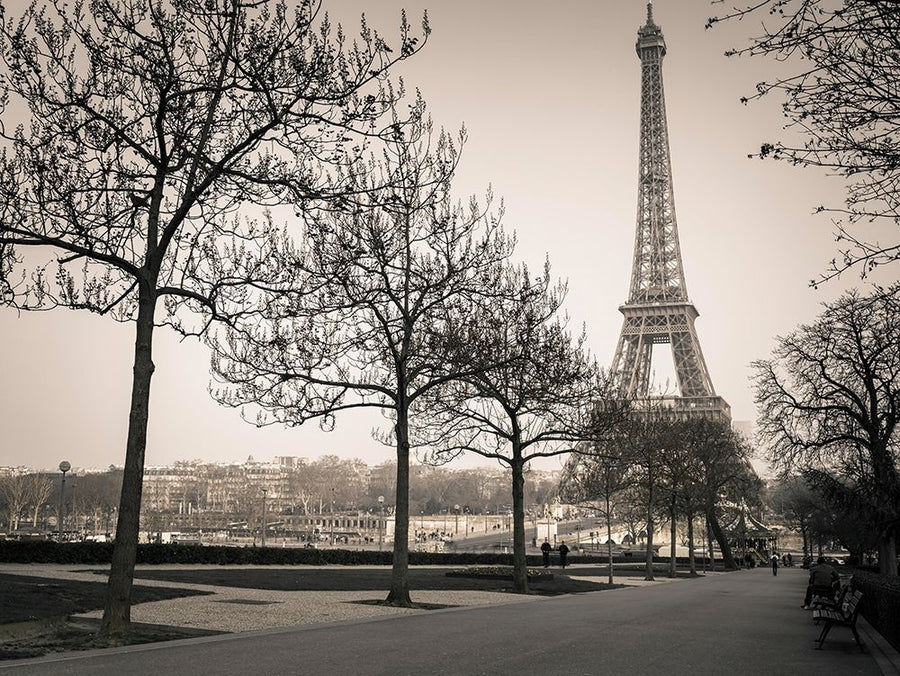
[(332, 517), (64, 467), (456, 525), (381, 522), (264, 491)]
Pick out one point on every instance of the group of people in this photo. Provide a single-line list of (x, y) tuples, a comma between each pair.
[(546, 548)]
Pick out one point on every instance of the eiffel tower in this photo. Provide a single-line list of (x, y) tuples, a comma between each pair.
[(658, 309)]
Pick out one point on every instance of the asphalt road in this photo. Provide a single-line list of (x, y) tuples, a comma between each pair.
[(747, 622)]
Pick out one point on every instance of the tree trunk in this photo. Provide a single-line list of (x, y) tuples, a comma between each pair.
[(690, 533), (117, 611), (673, 534), (609, 539), (520, 563), (648, 559), (887, 554), (709, 545), (399, 594), (719, 534)]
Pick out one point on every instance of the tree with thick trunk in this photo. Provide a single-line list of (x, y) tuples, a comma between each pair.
[(148, 125), (720, 473), (829, 399)]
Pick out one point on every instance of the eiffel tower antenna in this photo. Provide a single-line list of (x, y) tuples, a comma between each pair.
[(658, 308)]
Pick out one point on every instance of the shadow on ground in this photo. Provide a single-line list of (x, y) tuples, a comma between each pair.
[(34, 616), (35, 612)]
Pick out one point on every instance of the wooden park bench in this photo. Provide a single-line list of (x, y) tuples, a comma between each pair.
[(831, 601), (844, 615)]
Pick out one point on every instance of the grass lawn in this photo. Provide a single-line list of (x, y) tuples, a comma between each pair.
[(302, 578)]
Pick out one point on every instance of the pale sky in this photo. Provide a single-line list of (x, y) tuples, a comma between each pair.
[(549, 94)]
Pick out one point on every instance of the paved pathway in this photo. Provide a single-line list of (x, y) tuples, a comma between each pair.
[(747, 622)]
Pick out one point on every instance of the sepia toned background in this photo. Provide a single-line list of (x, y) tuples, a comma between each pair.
[(549, 95)]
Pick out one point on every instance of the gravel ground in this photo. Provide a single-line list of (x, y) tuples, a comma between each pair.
[(233, 609)]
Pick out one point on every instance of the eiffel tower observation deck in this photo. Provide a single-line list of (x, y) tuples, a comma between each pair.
[(658, 309)]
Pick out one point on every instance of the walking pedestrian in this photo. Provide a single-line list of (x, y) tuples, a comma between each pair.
[(774, 563), (563, 552), (546, 548)]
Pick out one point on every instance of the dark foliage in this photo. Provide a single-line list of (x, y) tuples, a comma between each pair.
[(880, 604)]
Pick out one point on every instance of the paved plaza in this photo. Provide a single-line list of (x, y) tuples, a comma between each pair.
[(747, 622)]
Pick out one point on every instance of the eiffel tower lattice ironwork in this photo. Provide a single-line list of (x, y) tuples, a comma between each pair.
[(658, 309)]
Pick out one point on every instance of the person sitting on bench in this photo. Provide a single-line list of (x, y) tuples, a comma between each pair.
[(823, 580)]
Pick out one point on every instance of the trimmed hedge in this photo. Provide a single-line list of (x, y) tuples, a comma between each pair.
[(880, 603), (45, 551)]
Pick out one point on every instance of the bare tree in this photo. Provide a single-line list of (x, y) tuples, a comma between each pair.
[(39, 489), (544, 397), (677, 489), (837, 75), (150, 123), (14, 489), (377, 308), (632, 511), (830, 399), (835, 514), (719, 473), (796, 502), (645, 441), (596, 476)]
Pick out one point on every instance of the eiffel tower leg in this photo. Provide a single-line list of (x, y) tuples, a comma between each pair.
[(690, 367), (632, 363)]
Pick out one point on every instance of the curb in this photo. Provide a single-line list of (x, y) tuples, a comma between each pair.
[(885, 655)]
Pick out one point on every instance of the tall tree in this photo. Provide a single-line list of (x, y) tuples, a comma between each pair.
[(837, 75), (830, 398), (378, 305), (132, 165), (722, 474), (149, 123), (644, 441), (544, 396)]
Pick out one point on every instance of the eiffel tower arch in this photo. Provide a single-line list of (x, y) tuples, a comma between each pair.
[(658, 309)]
